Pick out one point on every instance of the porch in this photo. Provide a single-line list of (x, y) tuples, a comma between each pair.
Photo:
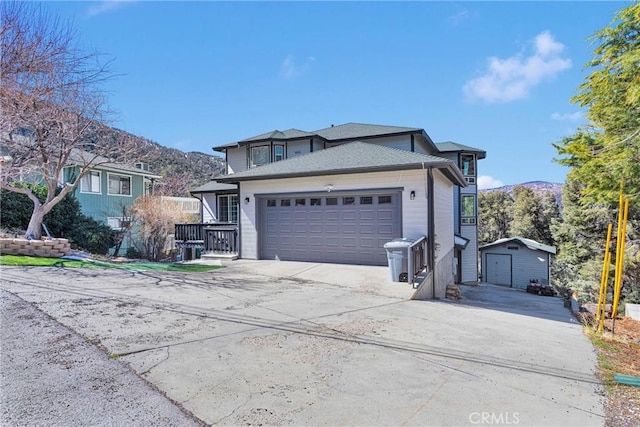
[(215, 240)]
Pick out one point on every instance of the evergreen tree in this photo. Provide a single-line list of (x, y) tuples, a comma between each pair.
[(495, 214)]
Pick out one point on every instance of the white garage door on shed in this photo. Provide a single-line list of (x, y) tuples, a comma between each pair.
[(498, 269), (346, 228)]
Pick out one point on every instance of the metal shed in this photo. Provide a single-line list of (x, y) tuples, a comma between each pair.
[(515, 261)]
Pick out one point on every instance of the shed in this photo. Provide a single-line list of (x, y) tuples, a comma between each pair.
[(515, 261)]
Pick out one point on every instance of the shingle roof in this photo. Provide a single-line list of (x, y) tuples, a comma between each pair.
[(213, 186), (531, 244), (361, 130), (450, 146), (81, 157), (276, 134), (354, 157)]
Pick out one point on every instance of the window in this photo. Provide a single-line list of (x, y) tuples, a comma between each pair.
[(118, 223), (119, 185), (331, 201), (285, 202), (301, 202), (384, 200), (468, 209), (271, 203), (90, 182), (278, 153), (468, 164), (259, 156), (315, 202), (366, 200), (228, 208), (348, 200)]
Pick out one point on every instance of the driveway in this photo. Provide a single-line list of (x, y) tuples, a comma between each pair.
[(272, 343)]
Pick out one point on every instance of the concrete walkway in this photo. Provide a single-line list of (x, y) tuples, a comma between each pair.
[(305, 344)]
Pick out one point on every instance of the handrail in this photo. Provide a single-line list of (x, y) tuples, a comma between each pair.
[(195, 231), (417, 259)]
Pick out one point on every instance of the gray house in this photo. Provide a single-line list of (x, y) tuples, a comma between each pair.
[(515, 261)]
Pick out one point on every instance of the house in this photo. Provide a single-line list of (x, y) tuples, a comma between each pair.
[(338, 194), (107, 192), (515, 261)]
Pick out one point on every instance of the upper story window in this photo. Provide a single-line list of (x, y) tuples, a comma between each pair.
[(468, 164), (468, 209), (278, 153), (90, 183), (119, 185), (259, 156)]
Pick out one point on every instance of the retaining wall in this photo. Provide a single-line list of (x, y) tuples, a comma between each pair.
[(54, 248)]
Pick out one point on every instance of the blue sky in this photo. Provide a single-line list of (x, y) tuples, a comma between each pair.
[(493, 75)]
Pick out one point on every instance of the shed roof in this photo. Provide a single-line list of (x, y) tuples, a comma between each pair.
[(214, 186), (353, 157), (531, 244)]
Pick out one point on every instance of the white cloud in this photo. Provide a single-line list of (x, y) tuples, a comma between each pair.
[(571, 117), (290, 69), (459, 17), (106, 6), (512, 78), (485, 181)]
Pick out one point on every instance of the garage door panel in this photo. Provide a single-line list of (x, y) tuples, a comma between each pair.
[(340, 229)]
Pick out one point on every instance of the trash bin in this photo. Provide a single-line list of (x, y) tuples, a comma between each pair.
[(398, 256)]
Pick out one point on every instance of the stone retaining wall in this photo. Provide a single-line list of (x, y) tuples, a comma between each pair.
[(54, 248)]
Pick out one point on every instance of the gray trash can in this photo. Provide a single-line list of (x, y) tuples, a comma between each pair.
[(398, 256)]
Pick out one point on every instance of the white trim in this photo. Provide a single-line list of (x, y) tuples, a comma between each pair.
[(88, 174), (123, 176), (229, 206)]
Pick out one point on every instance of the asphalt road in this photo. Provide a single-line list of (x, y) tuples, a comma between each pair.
[(241, 347)]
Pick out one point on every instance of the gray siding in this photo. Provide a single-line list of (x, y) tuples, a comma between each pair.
[(526, 264)]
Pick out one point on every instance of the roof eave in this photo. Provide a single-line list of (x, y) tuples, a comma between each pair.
[(444, 166)]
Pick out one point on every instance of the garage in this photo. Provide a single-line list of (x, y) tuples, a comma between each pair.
[(348, 228), (516, 261)]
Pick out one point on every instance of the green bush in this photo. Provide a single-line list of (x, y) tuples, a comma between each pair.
[(64, 220)]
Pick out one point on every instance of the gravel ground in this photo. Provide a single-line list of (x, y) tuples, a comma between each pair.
[(40, 359)]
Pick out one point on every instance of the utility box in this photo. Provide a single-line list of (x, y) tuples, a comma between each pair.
[(398, 258)]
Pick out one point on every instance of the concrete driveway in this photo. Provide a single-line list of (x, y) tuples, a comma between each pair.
[(272, 343)]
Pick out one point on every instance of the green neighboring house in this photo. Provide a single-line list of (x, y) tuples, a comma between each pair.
[(108, 191)]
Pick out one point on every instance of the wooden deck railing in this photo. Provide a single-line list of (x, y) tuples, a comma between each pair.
[(417, 261), (214, 237)]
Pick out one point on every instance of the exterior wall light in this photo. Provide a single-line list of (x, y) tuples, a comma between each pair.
[(412, 195), (328, 187), (246, 200)]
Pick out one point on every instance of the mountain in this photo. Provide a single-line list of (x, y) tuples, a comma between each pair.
[(536, 186), (180, 170)]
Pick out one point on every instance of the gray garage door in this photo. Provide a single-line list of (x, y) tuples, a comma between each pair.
[(498, 269), (345, 228)]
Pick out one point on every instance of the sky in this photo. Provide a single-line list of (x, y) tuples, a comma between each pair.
[(497, 76)]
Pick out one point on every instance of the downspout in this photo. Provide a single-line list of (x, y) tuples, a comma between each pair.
[(431, 229)]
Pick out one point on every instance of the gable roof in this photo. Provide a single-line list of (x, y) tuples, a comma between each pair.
[(452, 147), (531, 244), (353, 157), (278, 135), (81, 157)]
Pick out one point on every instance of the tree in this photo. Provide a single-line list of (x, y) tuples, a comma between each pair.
[(154, 220), (64, 220), (53, 109), (495, 214), (604, 155)]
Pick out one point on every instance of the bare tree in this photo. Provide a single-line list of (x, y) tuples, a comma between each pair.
[(53, 109)]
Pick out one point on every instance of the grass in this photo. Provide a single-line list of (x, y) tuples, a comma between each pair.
[(31, 261)]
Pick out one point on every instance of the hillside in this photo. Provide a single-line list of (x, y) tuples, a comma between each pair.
[(536, 186), (180, 170)]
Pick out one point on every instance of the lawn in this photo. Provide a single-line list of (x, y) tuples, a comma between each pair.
[(31, 261)]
